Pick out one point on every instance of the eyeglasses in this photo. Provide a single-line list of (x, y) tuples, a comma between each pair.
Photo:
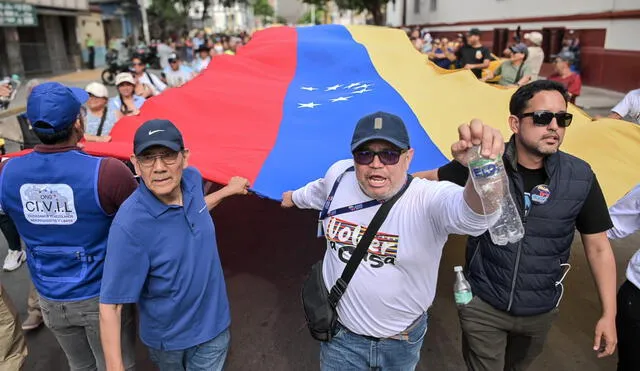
[(544, 118), (168, 158), (387, 156)]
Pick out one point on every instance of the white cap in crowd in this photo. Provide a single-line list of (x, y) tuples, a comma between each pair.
[(534, 37), (97, 90), (125, 77)]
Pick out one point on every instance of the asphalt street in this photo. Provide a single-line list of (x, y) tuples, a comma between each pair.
[(266, 252)]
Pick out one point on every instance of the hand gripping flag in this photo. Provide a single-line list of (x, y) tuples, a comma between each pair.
[(284, 108)]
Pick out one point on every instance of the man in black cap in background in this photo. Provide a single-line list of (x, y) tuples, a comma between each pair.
[(473, 55)]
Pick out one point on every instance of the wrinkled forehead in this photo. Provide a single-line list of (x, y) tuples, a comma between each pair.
[(156, 150)]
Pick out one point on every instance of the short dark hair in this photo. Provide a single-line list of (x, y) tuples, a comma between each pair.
[(523, 95), (55, 137)]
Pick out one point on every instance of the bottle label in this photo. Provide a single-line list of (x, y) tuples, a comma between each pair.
[(484, 168), (463, 297)]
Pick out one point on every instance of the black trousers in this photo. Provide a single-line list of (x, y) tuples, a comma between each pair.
[(628, 326), (10, 232), (92, 57)]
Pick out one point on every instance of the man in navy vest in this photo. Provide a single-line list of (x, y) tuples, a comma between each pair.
[(62, 202), (517, 289), (163, 256)]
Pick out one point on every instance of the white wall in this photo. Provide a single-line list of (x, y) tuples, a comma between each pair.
[(450, 11), (623, 35)]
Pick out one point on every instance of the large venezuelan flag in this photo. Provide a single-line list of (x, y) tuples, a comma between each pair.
[(283, 110)]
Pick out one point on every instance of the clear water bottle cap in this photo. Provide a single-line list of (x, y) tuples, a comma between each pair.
[(457, 268)]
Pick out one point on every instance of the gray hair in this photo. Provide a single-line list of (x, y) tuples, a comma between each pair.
[(32, 84)]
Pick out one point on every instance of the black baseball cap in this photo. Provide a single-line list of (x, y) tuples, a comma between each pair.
[(173, 57), (158, 132), (382, 126), (474, 31)]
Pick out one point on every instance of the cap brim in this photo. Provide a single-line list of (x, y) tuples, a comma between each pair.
[(81, 95), (395, 142), (164, 143)]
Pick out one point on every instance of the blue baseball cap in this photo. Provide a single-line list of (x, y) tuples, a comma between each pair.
[(381, 126), (158, 132), (56, 105)]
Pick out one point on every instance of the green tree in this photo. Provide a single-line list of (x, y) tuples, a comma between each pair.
[(262, 8), (373, 7)]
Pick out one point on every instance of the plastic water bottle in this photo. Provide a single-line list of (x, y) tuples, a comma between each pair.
[(491, 182), (461, 288)]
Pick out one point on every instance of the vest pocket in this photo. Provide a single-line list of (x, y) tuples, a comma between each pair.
[(60, 263)]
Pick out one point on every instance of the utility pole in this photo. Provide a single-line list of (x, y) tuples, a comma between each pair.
[(145, 21), (404, 13)]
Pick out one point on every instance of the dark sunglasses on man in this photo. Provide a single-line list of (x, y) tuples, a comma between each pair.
[(544, 118), (386, 157)]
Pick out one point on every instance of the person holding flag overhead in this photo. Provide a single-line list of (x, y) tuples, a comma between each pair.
[(382, 313), (162, 254)]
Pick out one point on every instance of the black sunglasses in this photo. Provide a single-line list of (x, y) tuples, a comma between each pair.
[(544, 118), (387, 156)]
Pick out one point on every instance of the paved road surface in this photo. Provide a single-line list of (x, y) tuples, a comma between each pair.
[(266, 253)]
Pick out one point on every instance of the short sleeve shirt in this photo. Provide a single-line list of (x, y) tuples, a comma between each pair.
[(629, 106), (509, 73), (165, 258)]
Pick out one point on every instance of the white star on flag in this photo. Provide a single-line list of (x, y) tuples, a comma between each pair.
[(352, 85), (340, 99), (365, 90), (364, 86), (334, 87), (308, 105), (308, 88)]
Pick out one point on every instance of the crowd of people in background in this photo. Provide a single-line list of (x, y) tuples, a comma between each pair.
[(519, 63)]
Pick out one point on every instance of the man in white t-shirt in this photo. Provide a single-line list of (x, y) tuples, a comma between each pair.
[(628, 106), (176, 74), (382, 315), (625, 215), (536, 54)]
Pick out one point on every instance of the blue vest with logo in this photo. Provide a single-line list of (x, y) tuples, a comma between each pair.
[(525, 278), (53, 200)]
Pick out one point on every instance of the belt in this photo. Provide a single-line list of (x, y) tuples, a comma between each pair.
[(402, 336)]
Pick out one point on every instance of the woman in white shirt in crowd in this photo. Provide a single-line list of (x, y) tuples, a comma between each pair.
[(127, 103), (99, 119)]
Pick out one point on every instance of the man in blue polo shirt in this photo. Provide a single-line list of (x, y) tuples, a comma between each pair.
[(162, 254), (63, 201)]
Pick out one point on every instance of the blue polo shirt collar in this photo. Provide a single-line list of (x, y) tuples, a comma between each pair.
[(157, 207)]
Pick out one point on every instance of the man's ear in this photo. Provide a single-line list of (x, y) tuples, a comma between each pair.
[(514, 124)]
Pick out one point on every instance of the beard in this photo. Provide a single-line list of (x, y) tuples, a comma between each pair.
[(540, 148)]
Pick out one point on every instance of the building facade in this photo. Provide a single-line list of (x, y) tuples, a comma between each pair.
[(50, 47), (607, 30)]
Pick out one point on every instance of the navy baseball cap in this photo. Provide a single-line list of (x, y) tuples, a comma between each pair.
[(56, 105), (158, 132), (381, 126)]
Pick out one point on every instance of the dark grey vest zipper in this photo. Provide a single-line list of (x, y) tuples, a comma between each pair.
[(520, 203)]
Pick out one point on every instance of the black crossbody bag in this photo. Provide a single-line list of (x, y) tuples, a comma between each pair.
[(318, 302)]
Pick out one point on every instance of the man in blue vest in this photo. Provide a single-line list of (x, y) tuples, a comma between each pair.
[(163, 255), (62, 202), (517, 289)]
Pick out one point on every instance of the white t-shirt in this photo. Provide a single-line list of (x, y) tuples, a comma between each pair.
[(535, 59), (629, 105), (625, 215), (179, 77), (396, 281), (156, 87)]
